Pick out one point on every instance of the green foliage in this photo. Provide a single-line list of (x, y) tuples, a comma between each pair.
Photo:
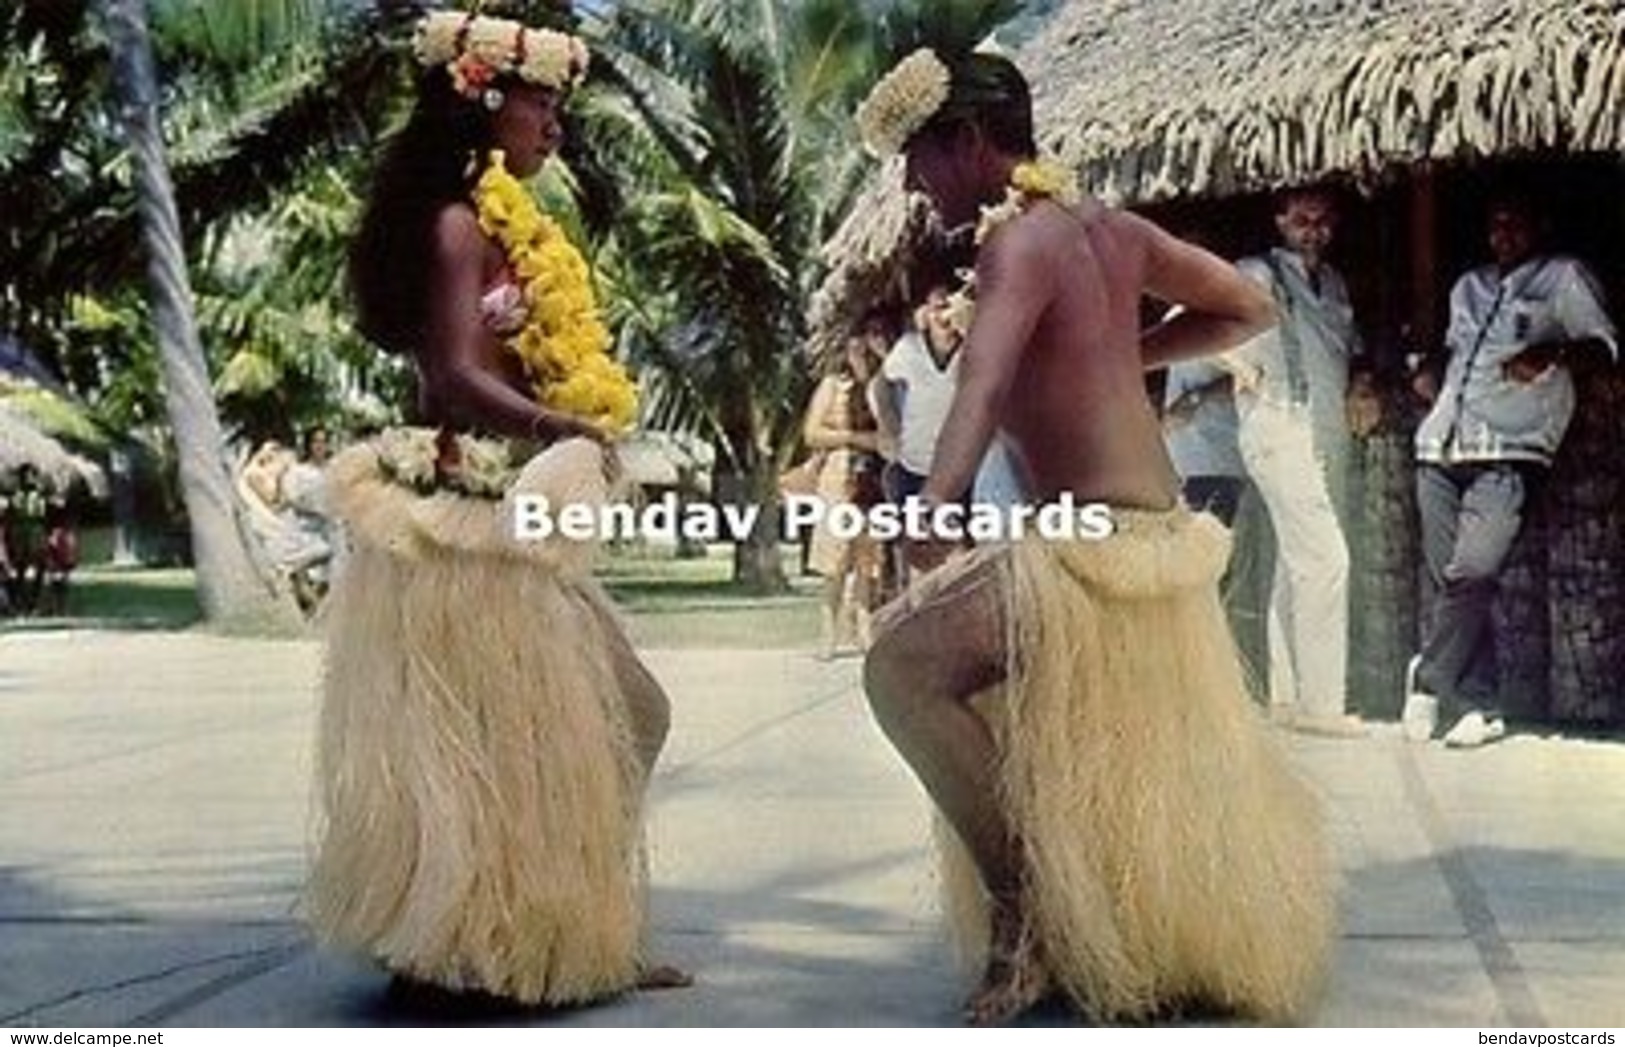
[(57, 417), (264, 105), (728, 125), (243, 33), (721, 156)]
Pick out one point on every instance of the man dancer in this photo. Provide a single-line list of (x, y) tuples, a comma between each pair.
[(1135, 836)]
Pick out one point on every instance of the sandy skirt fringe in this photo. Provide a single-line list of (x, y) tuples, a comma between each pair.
[(478, 814), (1173, 854)]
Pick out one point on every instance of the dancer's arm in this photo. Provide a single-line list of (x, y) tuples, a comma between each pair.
[(1222, 308), (453, 355)]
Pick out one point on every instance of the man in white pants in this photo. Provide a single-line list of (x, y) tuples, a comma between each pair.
[(1295, 442)]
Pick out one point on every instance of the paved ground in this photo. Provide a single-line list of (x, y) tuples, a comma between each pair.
[(152, 837)]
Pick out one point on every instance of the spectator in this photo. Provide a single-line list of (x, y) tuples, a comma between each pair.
[(1516, 327), (919, 377), (61, 557), (840, 423), (25, 539), (6, 575), (1294, 440), (303, 489), (920, 372), (293, 547)]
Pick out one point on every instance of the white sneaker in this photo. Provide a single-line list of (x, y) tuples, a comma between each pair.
[(1420, 717), (1475, 729)]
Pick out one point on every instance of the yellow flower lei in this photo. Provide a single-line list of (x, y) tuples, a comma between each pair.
[(1030, 182), (563, 345)]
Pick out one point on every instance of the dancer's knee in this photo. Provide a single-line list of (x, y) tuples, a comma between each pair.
[(890, 683)]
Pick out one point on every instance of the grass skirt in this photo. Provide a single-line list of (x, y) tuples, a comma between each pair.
[(478, 822), (1172, 855)]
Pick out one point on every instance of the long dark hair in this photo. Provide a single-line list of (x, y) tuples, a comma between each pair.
[(425, 167)]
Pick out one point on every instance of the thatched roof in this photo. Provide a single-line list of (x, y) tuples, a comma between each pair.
[(21, 443), (866, 252), (1189, 97), (1152, 99)]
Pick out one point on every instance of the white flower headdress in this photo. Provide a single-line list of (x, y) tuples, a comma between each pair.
[(903, 101), (476, 50)]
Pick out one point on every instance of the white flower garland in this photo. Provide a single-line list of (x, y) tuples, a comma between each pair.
[(411, 456), (903, 101), (476, 49)]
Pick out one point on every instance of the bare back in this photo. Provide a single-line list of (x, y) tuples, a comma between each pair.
[(1077, 409), (1055, 356)]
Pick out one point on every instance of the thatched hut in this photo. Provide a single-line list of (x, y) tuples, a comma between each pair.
[(1193, 110), (21, 443)]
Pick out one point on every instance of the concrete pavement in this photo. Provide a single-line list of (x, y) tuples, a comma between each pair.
[(153, 800)]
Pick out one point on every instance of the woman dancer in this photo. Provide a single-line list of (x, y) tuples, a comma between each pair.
[(487, 731)]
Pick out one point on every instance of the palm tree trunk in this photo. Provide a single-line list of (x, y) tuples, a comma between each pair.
[(758, 565), (229, 589)]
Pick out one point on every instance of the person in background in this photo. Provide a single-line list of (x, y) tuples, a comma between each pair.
[(1518, 326), (60, 558), (304, 491), (1295, 442), (1199, 426), (840, 427)]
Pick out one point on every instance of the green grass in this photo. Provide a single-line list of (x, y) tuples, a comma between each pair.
[(666, 602), (671, 603), (108, 597)]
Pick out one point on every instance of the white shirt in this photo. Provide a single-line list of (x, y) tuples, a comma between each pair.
[(1482, 415), (1205, 443), (1322, 320), (928, 390)]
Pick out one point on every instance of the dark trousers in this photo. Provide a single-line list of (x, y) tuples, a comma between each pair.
[(1219, 495), (1471, 514)]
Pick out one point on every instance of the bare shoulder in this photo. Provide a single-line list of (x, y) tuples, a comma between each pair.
[(1027, 248), (1023, 240), (456, 235), (1152, 242)]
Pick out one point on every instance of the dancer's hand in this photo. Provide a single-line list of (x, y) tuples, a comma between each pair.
[(551, 426)]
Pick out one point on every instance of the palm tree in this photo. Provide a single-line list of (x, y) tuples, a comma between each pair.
[(230, 589), (729, 121), (252, 89)]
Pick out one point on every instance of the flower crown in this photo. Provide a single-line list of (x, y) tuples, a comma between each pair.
[(903, 101), (476, 50)]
